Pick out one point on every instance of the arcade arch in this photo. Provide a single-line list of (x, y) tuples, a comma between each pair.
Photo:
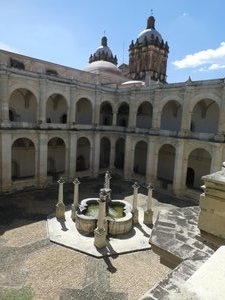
[(119, 155), (83, 154), (123, 115), (56, 157), (199, 163), (104, 153), (23, 150), (205, 116), (140, 157), (106, 114), (166, 162), (83, 111), (171, 116), (56, 109), (22, 106), (144, 115)]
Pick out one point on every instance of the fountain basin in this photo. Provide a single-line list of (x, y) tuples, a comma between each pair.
[(119, 217)]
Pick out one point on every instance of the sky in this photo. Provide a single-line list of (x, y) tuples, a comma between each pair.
[(67, 32)]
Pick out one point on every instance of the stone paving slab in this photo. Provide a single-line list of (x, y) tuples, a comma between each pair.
[(66, 234), (175, 237)]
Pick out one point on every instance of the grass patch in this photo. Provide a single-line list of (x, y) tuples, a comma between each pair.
[(25, 293)]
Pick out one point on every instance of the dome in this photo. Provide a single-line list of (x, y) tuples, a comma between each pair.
[(101, 66), (103, 52), (103, 48), (149, 32)]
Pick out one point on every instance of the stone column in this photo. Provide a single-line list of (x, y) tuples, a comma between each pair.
[(42, 101), (180, 169), (100, 231), (4, 100), (42, 159), (128, 158), (185, 126), (76, 183), (114, 117), (219, 136), (6, 161), (71, 118), (72, 155), (135, 186), (107, 180), (148, 214), (112, 155), (96, 154), (152, 161), (60, 206), (217, 157)]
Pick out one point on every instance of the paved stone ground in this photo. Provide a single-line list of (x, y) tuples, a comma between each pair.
[(29, 260), (176, 238)]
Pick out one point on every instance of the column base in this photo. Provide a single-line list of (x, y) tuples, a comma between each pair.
[(135, 216), (99, 238), (148, 217), (60, 211)]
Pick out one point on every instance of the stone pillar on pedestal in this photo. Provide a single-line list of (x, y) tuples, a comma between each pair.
[(100, 232), (60, 206), (135, 186), (76, 183), (148, 214)]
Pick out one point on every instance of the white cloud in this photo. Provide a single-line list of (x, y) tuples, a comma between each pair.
[(6, 47), (216, 67), (215, 57)]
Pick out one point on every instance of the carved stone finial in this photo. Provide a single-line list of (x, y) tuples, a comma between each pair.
[(61, 180), (150, 187), (76, 181), (151, 23), (136, 185), (104, 41)]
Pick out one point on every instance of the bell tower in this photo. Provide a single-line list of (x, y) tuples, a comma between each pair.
[(148, 55)]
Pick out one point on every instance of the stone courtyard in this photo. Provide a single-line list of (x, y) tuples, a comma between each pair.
[(31, 267)]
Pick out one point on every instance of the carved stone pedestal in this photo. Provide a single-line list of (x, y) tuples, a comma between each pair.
[(60, 211), (100, 238), (148, 217), (135, 216)]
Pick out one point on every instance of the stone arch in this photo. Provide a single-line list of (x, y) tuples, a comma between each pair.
[(119, 153), (23, 150), (199, 160), (83, 154), (56, 157), (123, 115), (105, 148), (205, 116), (140, 157), (166, 163), (84, 111), (171, 116), (106, 114), (23, 106), (144, 115), (56, 109)]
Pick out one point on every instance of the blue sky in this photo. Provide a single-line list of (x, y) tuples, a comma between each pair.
[(67, 32)]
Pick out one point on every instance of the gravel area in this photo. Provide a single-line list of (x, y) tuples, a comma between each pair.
[(50, 270), (137, 272)]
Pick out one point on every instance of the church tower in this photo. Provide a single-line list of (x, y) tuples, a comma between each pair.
[(103, 53), (148, 55)]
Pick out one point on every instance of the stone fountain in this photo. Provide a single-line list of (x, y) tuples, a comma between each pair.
[(115, 214), (101, 226)]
